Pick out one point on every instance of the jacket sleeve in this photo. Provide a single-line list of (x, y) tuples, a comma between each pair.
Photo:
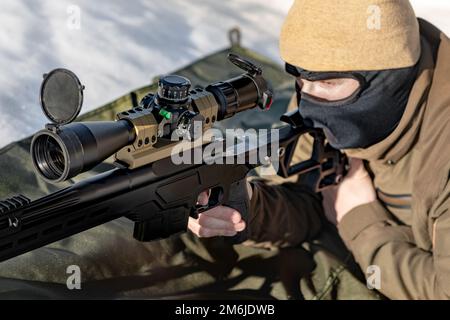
[(283, 212), (406, 271), (282, 215)]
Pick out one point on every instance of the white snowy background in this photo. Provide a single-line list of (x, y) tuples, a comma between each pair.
[(121, 45)]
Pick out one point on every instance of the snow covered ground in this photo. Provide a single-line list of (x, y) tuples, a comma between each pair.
[(121, 45)]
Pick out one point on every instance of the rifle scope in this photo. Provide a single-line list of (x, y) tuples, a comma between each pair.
[(64, 149)]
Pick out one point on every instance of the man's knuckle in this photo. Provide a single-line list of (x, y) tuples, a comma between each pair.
[(201, 218), (203, 232)]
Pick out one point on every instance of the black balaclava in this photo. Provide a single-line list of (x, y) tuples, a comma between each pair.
[(366, 117)]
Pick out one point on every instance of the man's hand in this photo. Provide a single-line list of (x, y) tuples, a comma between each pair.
[(219, 221), (356, 189)]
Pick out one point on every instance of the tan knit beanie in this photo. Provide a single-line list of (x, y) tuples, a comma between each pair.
[(350, 35)]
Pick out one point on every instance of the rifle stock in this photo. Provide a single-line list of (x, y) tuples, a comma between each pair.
[(158, 197)]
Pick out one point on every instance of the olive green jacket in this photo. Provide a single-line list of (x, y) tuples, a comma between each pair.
[(406, 232)]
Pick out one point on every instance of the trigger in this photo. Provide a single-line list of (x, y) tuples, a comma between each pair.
[(215, 198), (199, 208)]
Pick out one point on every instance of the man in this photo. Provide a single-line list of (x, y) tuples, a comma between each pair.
[(375, 78)]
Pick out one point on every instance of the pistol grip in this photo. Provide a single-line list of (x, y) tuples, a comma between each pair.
[(238, 200)]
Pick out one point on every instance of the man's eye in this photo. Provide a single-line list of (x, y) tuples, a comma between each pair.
[(327, 83), (333, 82)]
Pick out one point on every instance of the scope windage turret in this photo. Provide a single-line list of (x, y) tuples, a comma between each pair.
[(62, 151)]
